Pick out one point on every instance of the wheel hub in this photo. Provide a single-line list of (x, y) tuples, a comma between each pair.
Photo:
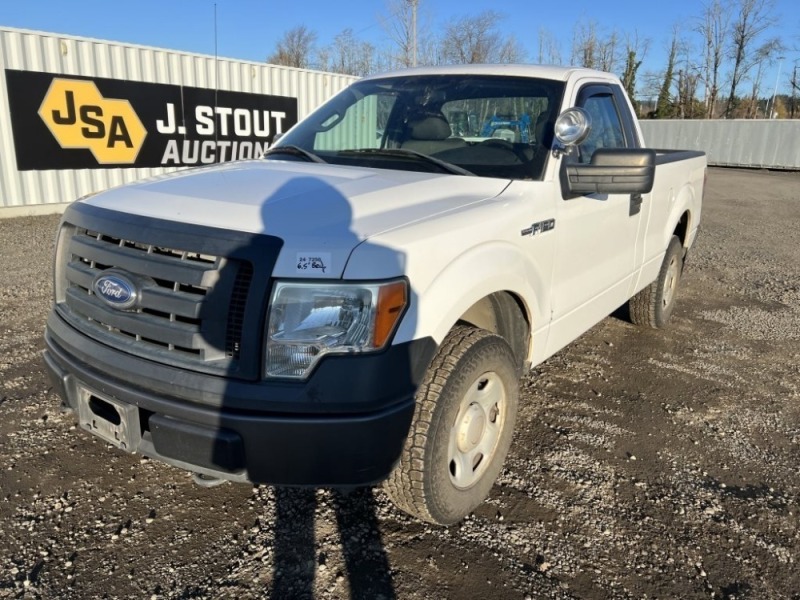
[(476, 430), (471, 428), (670, 282)]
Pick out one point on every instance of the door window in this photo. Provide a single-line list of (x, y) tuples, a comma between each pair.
[(606, 126)]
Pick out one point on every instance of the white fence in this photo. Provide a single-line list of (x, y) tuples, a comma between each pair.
[(33, 189), (761, 143)]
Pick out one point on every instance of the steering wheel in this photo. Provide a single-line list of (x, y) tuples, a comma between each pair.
[(505, 145), (499, 143)]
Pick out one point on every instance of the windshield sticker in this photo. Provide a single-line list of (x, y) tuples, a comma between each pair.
[(313, 263)]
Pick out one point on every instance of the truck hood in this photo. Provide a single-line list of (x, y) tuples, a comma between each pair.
[(315, 209)]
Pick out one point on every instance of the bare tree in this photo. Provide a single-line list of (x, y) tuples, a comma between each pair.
[(295, 48), (591, 50), (690, 64), (549, 48), (752, 106), (713, 28), (607, 52), (762, 59), (408, 28), (511, 51), (649, 89), (584, 44), (753, 19), (477, 39), (348, 55), (688, 105)]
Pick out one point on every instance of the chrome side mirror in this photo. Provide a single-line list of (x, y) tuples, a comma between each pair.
[(572, 127)]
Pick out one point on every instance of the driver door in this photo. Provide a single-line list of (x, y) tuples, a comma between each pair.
[(596, 248)]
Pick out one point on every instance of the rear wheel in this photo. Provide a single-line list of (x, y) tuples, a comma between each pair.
[(461, 430), (652, 307)]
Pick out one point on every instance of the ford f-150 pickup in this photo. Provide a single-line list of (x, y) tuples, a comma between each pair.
[(358, 305)]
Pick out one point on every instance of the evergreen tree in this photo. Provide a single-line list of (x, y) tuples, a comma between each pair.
[(664, 106)]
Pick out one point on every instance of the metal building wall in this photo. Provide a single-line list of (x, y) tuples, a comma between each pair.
[(762, 143), (67, 55)]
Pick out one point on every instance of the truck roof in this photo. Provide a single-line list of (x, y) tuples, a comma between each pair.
[(514, 70)]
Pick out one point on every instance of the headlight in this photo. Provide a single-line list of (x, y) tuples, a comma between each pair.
[(61, 258), (309, 320)]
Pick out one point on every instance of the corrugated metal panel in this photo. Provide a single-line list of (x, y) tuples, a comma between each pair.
[(771, 144), (67, 55), (358, 129)]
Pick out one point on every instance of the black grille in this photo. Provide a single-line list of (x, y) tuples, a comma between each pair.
[(191, 308), (238, 302), (203, 290)]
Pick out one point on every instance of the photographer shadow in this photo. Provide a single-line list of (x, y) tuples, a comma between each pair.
[(297, 561), (317, 218)]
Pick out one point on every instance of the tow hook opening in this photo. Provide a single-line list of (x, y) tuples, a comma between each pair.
[(104, 410)]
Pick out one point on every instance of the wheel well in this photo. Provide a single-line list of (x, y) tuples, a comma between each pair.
[(682, 229), (504, 314)]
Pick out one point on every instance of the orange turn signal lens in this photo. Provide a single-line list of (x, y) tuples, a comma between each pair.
[(392, 300)]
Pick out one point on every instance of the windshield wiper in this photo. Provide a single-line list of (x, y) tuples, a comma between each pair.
[(404, 153), (295, 151)]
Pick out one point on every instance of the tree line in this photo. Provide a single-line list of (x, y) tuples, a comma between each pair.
[(715, 64)]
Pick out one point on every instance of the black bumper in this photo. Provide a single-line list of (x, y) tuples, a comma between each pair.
[(345, 426)]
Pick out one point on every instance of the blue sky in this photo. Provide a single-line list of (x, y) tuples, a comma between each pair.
[(248, 29)]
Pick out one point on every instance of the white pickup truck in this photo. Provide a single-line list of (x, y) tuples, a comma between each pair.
[(358, 305)]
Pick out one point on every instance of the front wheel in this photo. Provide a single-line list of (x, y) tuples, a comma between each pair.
[(462, 428), (652, 307)]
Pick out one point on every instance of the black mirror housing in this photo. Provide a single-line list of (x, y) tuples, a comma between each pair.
[(613, 171)]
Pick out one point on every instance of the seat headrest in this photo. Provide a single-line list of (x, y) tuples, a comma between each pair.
[(543, 129), (429, 127)]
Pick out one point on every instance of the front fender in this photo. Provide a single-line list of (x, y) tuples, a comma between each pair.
[(438, 303)]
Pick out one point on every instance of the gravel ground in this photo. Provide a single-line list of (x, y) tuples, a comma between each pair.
[(646, 464)]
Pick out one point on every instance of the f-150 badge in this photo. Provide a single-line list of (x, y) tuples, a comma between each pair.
[(540, 227)]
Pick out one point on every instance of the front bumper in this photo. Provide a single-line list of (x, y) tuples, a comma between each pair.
[(345, 426)]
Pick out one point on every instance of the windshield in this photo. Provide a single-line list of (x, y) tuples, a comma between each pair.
[(491, 126)]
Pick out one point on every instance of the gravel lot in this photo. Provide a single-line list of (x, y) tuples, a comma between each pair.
[(646, 463)]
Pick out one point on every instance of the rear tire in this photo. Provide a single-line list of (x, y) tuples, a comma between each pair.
[(462, 428), (652, 307)]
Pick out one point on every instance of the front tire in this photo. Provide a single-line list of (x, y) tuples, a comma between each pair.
[(652, 307), (462, 428)]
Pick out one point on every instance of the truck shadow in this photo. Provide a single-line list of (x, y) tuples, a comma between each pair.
[(296, 559)]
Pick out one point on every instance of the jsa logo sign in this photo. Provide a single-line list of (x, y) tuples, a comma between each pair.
[(73, 122), (79, 116)]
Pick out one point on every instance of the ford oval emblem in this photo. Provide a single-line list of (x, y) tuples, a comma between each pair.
[(116, 290)]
